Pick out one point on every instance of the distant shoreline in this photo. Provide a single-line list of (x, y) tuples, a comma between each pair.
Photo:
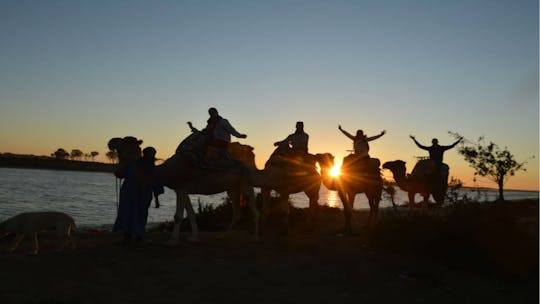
[(23, 161), (9, 160)]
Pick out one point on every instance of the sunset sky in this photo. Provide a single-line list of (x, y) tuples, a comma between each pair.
[(74, 74)]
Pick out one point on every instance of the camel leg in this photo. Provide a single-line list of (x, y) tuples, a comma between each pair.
[(63, 231), (236, 212), (411, 199), (347, 211), (425, 202), (284, 204), (373, 211), (265, 194), (178, 217), (313, 195), (18, 239), (250, 197), (183, 202), (36, 245), (192, 220)]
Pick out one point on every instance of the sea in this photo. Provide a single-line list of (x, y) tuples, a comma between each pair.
[(91, 197)]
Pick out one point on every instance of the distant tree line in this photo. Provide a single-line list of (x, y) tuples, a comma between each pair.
[(77, 154)]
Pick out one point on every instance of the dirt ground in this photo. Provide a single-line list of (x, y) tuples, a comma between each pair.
[(318, 266)]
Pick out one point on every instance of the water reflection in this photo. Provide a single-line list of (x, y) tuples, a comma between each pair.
[(332, 199)]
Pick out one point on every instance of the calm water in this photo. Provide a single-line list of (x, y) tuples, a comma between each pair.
[(90, 197)]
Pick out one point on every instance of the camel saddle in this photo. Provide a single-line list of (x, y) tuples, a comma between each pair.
[(295, 164), (361, 165), (195, 147), (427, 169)]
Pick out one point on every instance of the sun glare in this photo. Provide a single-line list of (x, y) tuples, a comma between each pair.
[(334, 172)]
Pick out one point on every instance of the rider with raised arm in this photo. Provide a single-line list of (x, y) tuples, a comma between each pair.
[(436, 153), (218, 133), (360, 160)]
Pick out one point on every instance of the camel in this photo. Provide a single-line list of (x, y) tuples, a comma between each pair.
[(181, 174), (354, 179), (424, 179), (287, 174)]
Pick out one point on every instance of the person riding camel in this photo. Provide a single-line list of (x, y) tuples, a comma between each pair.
[(298, 140), (360, 142), (436, 153), (360, 159), (296, 144), (218, 133)]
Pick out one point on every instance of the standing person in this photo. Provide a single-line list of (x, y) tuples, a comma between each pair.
[(298, 140), (153, 178), (218, 131), (140, 182), (360, 142)]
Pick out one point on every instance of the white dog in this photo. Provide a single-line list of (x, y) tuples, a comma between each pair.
[(35, 222)]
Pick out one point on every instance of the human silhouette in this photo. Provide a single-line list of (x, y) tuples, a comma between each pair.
[(436, 153), (360, 142), (298, 140), (149, 160), (140, 183), (218, 133)]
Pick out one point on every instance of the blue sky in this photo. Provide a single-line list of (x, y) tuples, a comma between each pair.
[(75, 73)]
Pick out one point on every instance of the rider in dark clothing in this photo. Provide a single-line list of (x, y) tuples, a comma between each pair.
[(436, 151), (218, 133)]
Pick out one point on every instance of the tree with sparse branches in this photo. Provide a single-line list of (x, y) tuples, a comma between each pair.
[(60, 153), (489, 160), (76, 154), (93, 154), (112, 156)]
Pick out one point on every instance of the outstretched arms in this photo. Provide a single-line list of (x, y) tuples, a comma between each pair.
[(229, 128), (376, 136), (349, 135), (454, 144), (418, 144)]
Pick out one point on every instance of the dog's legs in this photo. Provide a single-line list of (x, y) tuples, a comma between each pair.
[(36, 248), (70, 236), (63, 231), (18, 239)]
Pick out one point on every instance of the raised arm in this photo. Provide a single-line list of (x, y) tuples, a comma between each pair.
[(453, 145), (418, 144), (349, 135), (191, 127), (376, 136)]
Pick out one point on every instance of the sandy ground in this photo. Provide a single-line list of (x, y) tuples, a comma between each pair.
[(304, 267)]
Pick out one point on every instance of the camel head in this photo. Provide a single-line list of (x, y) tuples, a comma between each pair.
[(243, 153), (397, 167), (127, 148), (325, 160)]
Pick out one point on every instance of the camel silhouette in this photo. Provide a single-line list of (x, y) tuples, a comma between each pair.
[(183, 174), (354, 179), (425, 179)]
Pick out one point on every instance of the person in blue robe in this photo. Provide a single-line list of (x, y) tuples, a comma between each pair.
[(141, 183)]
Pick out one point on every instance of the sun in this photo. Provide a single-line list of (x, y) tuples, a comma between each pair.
[(334, 172)]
